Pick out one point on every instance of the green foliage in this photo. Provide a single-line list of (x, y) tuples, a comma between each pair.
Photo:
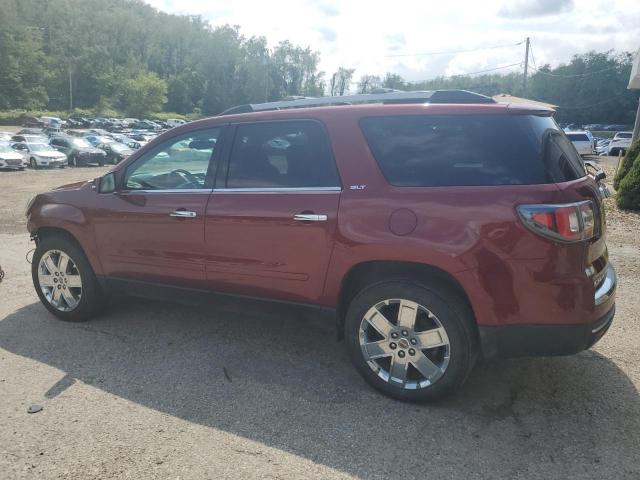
[(628, 196), (626, 163), (107, 47), (582, 95), (143, 94)]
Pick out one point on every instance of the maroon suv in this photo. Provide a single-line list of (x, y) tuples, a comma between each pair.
[(436, 227)]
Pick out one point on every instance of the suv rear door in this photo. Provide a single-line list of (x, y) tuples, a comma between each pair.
[(272, 216)]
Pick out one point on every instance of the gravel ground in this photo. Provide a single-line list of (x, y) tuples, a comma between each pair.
[(154, 390)]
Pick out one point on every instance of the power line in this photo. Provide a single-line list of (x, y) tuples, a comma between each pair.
[(453, 51), (467, 74)]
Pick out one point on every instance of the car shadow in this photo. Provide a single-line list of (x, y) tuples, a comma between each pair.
[(284, 381)]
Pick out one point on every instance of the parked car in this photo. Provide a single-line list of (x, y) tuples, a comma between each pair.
[(10, 159), (30, 138), (31, 131), (116, 152), (97, 139), (78, 122), (41, 155), (147, 125), (175, 122), (581, 141), (620, 142), (79, 151), (427, 257), (5, 136), (53, 122), (32, 122)]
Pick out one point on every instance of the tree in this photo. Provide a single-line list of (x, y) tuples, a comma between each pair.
[(341, 81), (143, 94), (369, 83)]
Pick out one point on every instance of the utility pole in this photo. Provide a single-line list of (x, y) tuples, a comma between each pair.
[(526, 66), (70, 91)]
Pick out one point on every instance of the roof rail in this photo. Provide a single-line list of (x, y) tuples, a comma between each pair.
[(391, 96)]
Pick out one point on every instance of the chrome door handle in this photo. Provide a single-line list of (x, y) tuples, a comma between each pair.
[(183, 214), (309, 217)]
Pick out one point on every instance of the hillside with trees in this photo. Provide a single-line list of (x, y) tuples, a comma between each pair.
[(125, 56)]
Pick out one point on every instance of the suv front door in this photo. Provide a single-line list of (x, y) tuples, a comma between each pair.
[(272, 216), (152, 228)]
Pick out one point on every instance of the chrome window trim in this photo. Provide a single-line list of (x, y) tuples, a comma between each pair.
[(175, 190), (279, 189)]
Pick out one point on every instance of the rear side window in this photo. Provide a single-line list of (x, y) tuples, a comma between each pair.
[(578, 137), (468, 150), (281, 155)]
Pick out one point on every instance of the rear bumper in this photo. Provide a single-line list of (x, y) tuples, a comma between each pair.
[(542, 340), (546, 340)]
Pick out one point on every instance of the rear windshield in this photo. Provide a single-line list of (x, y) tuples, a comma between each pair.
[(457, 150), (578, 137)]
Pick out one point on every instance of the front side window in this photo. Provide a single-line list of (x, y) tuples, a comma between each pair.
[(177, 164), (281, 155)]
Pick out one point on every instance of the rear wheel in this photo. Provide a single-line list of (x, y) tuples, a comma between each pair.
[(64, 280), (411, 341)]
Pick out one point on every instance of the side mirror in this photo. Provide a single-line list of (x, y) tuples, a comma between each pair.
[(600, 176), (107, 183)]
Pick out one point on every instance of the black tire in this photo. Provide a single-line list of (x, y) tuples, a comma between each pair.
[(33, 163), (92, 298), (454, 316)]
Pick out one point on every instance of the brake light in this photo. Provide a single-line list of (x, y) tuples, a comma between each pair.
[(571, 222)]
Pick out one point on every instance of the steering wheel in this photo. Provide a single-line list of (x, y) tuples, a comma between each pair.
[(188, 177)]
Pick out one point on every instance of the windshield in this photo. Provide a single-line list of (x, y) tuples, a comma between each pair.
[(39, 147), (81, 142), (623, 135)]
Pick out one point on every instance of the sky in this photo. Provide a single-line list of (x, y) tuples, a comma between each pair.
[(377, 37)]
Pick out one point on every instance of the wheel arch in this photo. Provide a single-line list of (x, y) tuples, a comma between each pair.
[(367, 273), (87, 247)]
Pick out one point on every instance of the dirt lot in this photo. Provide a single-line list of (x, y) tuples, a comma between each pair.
[(162, 391)]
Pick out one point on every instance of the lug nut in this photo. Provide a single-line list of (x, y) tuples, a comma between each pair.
[(55, 280), (412, 352), (404, 333), (394, 335), (414, 341), (392, 345), (56, 274), (401, 353)]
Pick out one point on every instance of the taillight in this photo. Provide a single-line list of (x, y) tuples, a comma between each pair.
[(570, 222)]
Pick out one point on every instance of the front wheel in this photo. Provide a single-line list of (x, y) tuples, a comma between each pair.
[(64, 280), (412, 341), (33, 163)]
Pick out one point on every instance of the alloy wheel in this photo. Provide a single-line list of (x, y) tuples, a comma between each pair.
[(59, 280), (404, 343)]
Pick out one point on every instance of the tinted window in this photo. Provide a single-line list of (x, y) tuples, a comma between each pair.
[(430, 150), (624, 135), (177, 164), (281, 155), (577, 137)]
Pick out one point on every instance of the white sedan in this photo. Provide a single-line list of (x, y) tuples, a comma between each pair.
[(41, 155), (620, 143), (11, 159)]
